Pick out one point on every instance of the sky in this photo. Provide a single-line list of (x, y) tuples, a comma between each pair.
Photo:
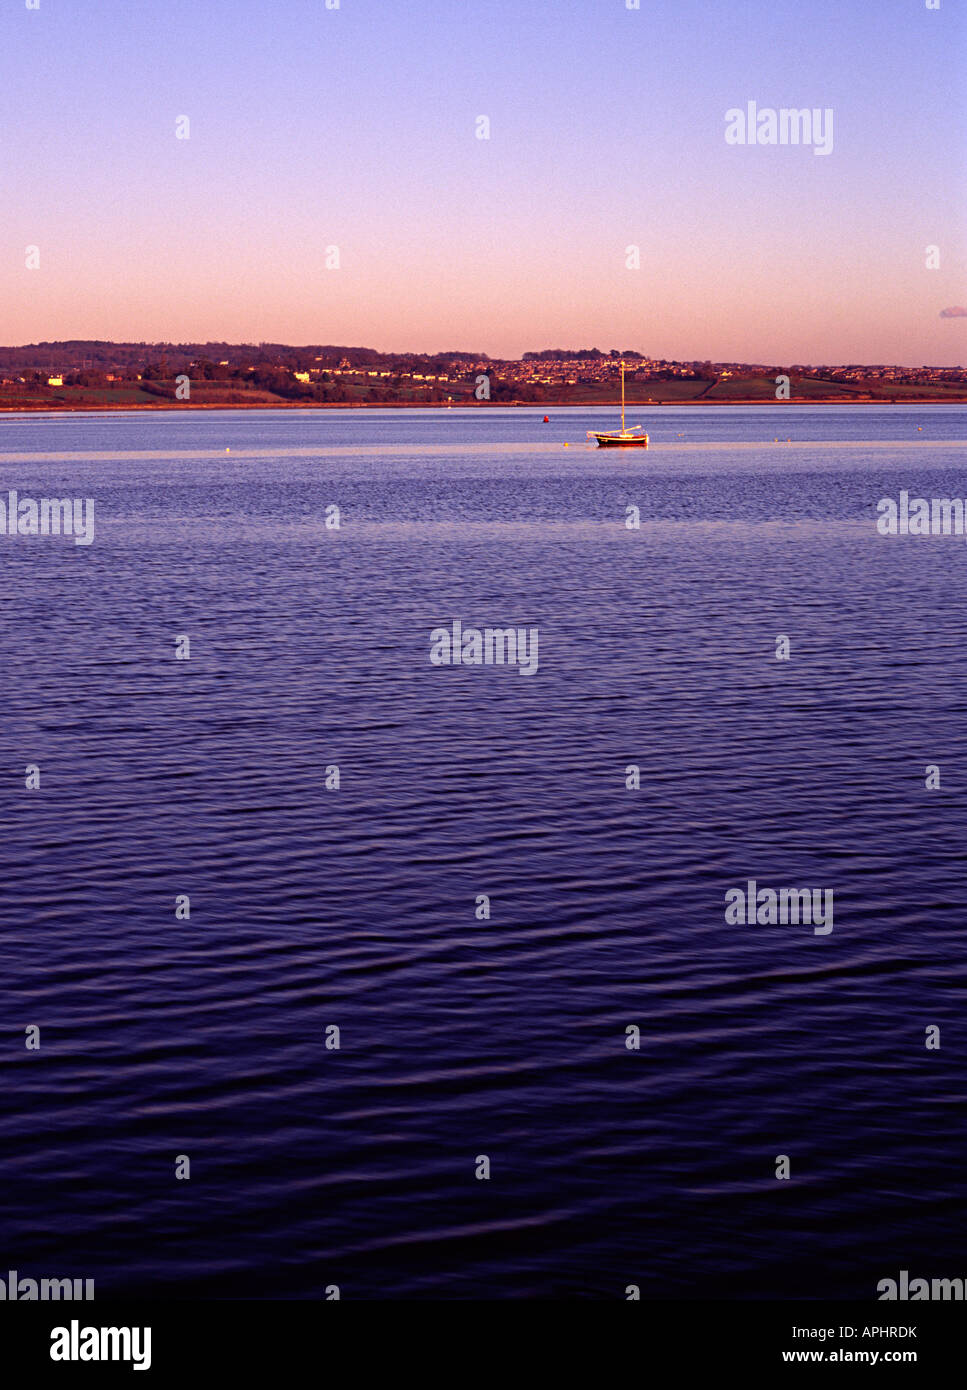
[(357, 128)]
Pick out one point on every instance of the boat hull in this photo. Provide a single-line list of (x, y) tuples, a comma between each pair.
[(621, 441)]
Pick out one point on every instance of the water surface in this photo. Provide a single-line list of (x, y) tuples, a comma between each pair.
[(312, 907)]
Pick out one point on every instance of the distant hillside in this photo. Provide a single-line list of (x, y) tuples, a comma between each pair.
[(90, 375), (96, 355)]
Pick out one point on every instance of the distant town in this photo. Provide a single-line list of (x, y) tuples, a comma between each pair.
[(92, 375)]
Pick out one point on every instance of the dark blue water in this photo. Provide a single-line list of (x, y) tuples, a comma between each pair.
[(355, 907)]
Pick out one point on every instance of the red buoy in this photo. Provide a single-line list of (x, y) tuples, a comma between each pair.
[(547, 419)]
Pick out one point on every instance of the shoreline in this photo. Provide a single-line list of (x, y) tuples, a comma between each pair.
[(185, 406)]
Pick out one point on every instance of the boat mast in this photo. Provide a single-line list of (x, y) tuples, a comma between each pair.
[(622, 397)]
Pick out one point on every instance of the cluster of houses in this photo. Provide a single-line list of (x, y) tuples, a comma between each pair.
[(546, 371), (906, 375)]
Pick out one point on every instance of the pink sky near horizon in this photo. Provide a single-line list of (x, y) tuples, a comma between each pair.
[(356, 128)]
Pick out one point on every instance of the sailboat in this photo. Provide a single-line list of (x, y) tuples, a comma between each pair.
[(633, 437)]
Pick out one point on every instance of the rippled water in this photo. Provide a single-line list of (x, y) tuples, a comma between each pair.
[(355, 907)]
